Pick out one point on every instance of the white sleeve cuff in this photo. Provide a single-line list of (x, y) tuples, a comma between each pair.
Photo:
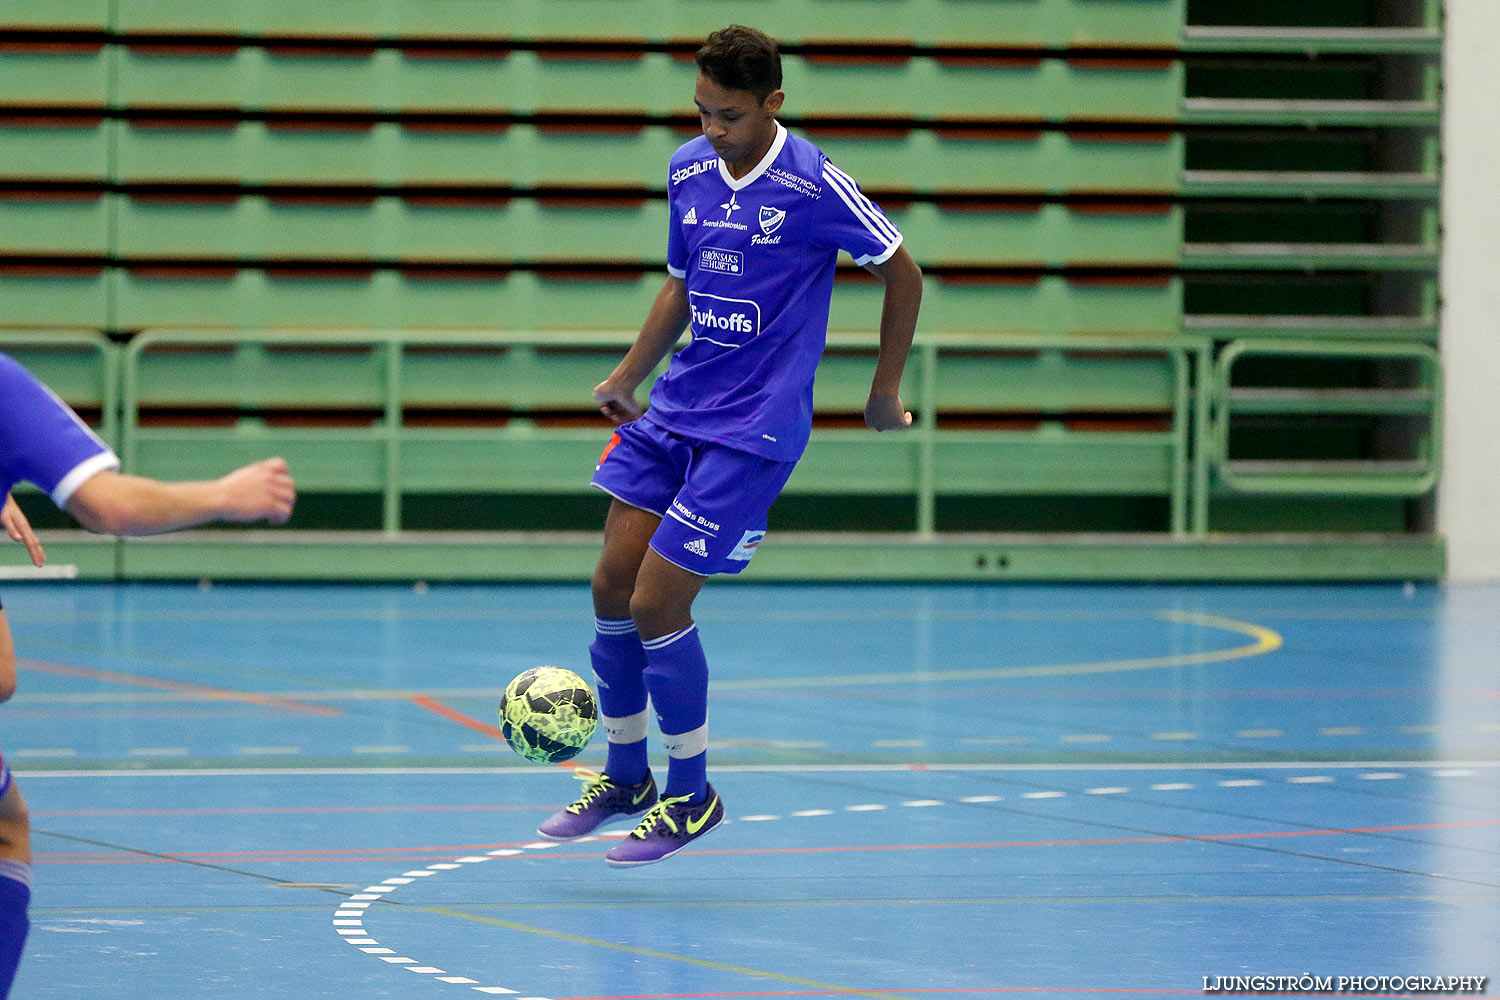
[(677, 272), (82, 473), (882, 257)]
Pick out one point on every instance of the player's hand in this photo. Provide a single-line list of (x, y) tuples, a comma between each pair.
[(261, 491), (886, 413), (19, 529), (618, 405)]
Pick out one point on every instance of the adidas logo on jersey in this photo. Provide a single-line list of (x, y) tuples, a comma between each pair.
[(697, 547), (691, 219)]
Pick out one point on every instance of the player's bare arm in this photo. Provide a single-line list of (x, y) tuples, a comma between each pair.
[(115, 504), (884, 410), (664, 324), (19, 529)]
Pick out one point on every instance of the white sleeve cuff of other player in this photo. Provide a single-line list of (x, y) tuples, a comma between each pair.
[(685, 745), (626, 729)]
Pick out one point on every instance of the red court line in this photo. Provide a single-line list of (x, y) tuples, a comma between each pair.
[(464, 720), (208, 693), (392, 853), (283, 810), (458, 717)]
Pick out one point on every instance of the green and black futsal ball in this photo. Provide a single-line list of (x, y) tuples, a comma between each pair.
[(548, 714)]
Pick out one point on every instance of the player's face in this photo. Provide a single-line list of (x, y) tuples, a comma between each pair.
[(739, 126)]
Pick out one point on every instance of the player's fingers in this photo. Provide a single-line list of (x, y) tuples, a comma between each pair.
[(35, 551)]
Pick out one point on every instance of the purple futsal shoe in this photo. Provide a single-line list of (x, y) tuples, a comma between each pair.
[(602, 800), (669, 827)]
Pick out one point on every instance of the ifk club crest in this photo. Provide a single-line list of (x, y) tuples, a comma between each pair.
[(771, 219)]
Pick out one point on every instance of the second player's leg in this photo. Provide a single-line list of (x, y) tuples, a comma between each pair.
[(15, 882)]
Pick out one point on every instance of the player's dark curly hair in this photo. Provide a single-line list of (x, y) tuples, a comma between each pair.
[(741, 58)]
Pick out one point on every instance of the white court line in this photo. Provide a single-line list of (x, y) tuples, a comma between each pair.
[(265, 772)]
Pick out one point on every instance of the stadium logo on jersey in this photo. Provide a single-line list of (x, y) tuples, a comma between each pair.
[(724, 321), (723, 261), (771, 219), (691, 219), (693, 170), (748, 544)]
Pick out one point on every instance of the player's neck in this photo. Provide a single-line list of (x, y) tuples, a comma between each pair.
[(740, 168)]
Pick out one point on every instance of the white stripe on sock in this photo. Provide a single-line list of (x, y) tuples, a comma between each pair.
[(667, 640), (625, 729), (685, 745)]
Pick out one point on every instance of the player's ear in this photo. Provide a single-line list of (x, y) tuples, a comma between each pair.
[(773, 100)]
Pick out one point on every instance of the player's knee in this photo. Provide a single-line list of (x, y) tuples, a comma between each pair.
[(612, 589), (7, 674), (656, 614), (15, 823)]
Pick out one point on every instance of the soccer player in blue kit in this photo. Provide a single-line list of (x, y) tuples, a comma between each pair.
[(758, 217), (43, 441)]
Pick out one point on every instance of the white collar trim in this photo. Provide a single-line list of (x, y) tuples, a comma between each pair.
[(759, 168)]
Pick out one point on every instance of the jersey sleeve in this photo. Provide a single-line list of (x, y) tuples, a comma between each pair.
[(677, 254), (42, 440), (854, 223)]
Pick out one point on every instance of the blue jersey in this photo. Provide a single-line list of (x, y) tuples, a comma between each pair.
[(42, 440), (758, 255)]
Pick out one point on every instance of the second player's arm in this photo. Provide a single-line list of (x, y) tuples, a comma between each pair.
[(115, 504), (884, 410), (664, 324)]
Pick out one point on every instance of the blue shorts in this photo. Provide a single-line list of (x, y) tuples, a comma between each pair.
[(712, 499), (4, 777)]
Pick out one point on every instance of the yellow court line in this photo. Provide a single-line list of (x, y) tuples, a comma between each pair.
[(1266, 641), (648, 953)]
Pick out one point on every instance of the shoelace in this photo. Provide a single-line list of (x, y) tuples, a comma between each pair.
[(593, 785), (659, 813)]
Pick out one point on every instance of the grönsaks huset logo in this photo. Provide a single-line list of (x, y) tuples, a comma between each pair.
[(724, 321), (723, 261)]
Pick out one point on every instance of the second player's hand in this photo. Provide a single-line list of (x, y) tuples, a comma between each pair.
[(886, 413), (260, 491), (617, 404), (19, 529)]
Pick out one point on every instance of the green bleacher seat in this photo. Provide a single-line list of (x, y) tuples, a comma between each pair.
[(967, 22), (255, 298), (1024, 304), (387, 228), (1053, 234), (1014, 161), (69, 15), (67, 74), (388, 80), (52, 296), (34, 148), (1023, 89), (54, 223), (257, 227), (526, 155), (388, 153)]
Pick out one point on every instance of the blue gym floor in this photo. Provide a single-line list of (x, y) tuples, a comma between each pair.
[(1070, 791)]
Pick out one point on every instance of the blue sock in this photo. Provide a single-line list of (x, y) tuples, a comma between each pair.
[(619, 662), (15, 897), (677, 676)]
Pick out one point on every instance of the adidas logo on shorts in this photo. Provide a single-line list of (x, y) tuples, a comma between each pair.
[(697, 547)]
